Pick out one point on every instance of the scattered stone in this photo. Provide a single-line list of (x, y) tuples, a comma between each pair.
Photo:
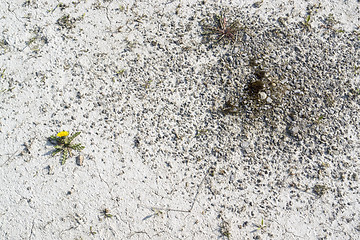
[(262, 95), (294, 130), (80, 160)]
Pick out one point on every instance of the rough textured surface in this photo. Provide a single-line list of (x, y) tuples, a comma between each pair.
[(185, 137)]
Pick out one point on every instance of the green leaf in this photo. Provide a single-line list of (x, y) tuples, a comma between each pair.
[(56, 152), (73, 136), (77, 147), (64, 157), (53, 139)]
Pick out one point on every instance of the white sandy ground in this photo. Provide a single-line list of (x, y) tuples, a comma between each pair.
[(146, 92)]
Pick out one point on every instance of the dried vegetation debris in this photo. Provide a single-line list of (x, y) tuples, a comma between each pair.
[(68, 22), (223, 30)]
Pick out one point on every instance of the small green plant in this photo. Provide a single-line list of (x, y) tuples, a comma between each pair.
[(106, 213), (157, 212), (201, 132), (356, 68), (92, 232), (2, 72), (120, 72), (4, 90), (4, 45), (311, 11), (64, 145), (261, 226), (354, 92), (319, 119), (306, 23), (147, 84), (121, 8)]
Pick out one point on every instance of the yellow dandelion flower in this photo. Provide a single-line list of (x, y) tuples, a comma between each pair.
[(62, 134)]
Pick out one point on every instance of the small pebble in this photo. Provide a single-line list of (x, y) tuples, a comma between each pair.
[(263, 95), (295, 130), (80, 160), (245, 144)]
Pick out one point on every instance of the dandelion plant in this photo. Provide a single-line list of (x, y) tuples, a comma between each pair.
[(63, 144)]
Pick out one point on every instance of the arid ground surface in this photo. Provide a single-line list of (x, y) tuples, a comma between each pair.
[(200, 119)]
